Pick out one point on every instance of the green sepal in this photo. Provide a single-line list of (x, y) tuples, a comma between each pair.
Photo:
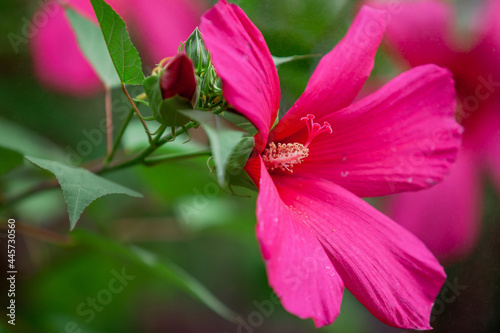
[(195, 49), (165, 111), (151, 86)]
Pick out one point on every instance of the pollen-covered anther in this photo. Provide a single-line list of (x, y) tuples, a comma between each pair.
[(314, 128), (284, 156)]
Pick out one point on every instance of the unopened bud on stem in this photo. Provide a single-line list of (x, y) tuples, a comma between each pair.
[(178, 78)]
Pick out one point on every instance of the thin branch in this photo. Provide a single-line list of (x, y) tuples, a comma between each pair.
[(45, 235), (174, 157), (118, 139), (157, 142), (137, 111), (52, 183)]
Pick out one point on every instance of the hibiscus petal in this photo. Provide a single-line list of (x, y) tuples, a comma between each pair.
[(243, 62), (446, 217), (299, 271), (403, 137), (420, 31), (340, 74), (58, 62), (384, 266), (161, 25)]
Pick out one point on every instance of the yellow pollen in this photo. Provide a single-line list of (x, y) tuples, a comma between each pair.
[(284, 156)]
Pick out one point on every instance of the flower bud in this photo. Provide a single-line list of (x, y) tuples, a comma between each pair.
[(195, 49), (178, 78)]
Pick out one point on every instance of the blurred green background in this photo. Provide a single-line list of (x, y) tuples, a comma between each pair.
[(214, 241)]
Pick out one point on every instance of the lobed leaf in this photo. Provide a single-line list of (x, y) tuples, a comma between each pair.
[(80, 186)]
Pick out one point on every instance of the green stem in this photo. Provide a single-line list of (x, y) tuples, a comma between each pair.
[(118, 140), (173, 157), (138, 158), (137, 111)]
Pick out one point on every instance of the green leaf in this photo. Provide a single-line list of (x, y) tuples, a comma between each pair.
[(10, 159), (93, 46), (240, 155), (243, 179), (123, 53), (80, 186), (163, 269), (283, 60), (224, 138), (169, 111), (236, 175), (26, 142), (240, 122)]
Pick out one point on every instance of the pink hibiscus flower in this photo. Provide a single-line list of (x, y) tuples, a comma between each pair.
[(422, 32), (158, 25), (315, 233)]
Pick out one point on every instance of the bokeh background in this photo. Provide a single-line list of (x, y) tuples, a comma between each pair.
[(184, 220)]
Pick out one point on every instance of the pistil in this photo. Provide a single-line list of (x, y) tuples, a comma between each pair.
[(314, 128)]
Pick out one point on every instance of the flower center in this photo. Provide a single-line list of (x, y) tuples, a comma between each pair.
[(284, 156)]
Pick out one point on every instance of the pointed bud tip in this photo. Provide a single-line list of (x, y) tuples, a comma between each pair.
[(178, 78)]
